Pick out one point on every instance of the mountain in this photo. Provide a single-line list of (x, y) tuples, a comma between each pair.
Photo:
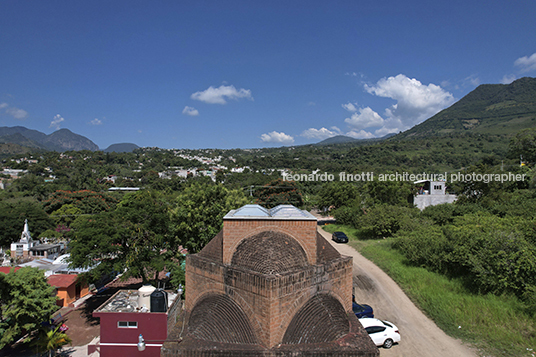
[(342, 139), (123, 147), (489, 109), (61, 140), (21, 140), (339, 139)]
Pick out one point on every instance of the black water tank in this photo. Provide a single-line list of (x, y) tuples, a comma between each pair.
[(158, 301)]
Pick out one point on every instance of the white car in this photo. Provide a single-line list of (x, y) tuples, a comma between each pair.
[(382, 333)]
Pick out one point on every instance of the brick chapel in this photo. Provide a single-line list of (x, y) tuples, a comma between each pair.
[(268, 284)]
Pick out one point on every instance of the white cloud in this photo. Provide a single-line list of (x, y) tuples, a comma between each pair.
[(508, 78), (350, 107), (96, 121), (218, 95), (365, 119), (416, 102), (191, 111), (55, 123), (361, 134), (526, 64), (14, 112), (471, 81), (321, 133), (275, 137)]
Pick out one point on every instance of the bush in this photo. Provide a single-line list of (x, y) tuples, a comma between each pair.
[(382, 221), (348, 215), (425, 246)]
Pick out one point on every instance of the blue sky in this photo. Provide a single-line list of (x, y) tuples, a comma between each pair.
[(246, 74)]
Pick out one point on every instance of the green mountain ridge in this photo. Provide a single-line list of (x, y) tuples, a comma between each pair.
[(489, 109)]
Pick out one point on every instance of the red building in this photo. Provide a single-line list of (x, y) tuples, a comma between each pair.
[(131, 313)]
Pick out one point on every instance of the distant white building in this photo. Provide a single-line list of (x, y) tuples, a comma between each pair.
[(26, 247), (431, 193), (22, 247)]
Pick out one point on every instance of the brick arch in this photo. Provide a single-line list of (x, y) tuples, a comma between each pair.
[(321, 319), (218, 318), (269, 252), (273, 228), (298, 304), (256, 325)]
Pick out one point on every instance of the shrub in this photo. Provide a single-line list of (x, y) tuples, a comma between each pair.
[(382, 221)]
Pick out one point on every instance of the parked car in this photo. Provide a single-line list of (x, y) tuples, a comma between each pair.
[(362, 310), (339, 237), (382, 333)]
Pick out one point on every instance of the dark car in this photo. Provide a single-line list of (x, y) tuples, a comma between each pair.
[(339, 237), (362, 310)]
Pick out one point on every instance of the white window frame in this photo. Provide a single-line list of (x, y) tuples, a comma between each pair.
[(128, 324)]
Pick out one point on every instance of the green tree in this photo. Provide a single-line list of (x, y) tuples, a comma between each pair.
[(26, 300), (13, 215), (86, 201), (197, 213), (338, 194), (133, 238), (51, 340), (523, 145), (396, 193)]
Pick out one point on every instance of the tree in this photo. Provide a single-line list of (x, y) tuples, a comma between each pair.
[(133, 238), (279, 192), (51, 339), (396, 193), (13, 215), (86, 201), (338, 194), (524, 145), (197, 214), (26, 300)]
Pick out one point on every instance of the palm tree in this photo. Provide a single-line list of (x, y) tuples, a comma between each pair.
[(51, 340)]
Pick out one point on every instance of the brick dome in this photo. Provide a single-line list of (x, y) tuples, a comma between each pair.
[(321, 319), (218, 318), (270, 252)]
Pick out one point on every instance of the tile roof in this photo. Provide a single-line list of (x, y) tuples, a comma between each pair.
[(62, 280), (6, 270)]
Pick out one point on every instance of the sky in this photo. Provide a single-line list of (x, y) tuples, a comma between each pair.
[(251, 74)]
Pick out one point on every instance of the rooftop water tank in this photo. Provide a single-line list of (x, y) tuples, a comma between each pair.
[(144, 297), (159, 301)]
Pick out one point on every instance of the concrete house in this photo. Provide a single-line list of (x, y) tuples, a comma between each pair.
[(431, 193)]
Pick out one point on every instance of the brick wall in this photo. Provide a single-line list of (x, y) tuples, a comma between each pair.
[(268, 301), (234, 231)]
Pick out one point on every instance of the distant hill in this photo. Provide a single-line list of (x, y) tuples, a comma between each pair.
[(342, 139), (123, 147), (61, 140), (489, 109), (339, 139)]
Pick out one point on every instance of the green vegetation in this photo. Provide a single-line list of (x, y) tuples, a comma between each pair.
[(469, 264), (498, 325), (26, 300)]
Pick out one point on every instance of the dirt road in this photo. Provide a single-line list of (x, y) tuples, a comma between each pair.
[(420, 336)]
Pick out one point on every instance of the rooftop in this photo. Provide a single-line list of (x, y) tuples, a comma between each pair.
[(127, 301), (62, 280), (281, 212)]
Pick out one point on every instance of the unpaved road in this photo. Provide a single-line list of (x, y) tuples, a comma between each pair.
[(420, 337)]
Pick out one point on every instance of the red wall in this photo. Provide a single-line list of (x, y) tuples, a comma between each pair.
[(153, 327)]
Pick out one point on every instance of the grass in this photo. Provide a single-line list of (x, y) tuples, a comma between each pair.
[(496, 325)]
